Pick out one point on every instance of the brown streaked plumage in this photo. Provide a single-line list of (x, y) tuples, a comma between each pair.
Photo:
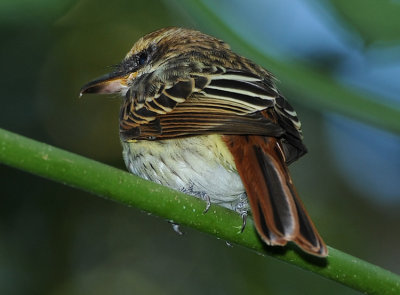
[(201, 119)]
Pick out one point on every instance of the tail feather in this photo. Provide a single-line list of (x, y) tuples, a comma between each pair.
[(278, 212)]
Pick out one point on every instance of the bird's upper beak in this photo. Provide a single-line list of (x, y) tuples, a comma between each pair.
[(116, 82)]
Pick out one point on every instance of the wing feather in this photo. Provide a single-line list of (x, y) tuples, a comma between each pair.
[(213, 100)]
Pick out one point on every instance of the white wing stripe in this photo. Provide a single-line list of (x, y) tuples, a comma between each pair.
[(292, 113), (240, 91), (240, 102), (235, 77)]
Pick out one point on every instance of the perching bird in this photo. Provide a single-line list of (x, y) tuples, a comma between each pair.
[(206, 121)]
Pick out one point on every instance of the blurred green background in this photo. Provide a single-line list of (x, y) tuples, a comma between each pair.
[(58, 240)]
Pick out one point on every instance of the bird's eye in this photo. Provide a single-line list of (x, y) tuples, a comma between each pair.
[(142, 58)]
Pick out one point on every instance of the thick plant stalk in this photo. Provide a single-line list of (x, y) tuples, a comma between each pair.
[(100, 179)]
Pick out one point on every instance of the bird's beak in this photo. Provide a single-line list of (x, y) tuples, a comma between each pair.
[(110, 83)]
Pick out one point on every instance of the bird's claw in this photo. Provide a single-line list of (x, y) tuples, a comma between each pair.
[(244, 220), (208, 204)]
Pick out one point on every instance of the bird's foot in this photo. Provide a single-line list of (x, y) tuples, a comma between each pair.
[(242, 208)]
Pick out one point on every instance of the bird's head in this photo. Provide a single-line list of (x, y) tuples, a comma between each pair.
[(158, 49)]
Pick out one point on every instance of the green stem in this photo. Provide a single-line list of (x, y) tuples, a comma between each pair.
[(100, 179)]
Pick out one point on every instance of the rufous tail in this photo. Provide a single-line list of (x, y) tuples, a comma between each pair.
[(278, 212)]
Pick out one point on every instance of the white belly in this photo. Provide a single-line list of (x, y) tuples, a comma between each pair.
[(201, 166)]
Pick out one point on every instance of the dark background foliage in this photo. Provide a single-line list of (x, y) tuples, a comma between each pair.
[(58, 240)]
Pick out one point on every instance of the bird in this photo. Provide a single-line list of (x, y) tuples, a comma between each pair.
[(201, 119)]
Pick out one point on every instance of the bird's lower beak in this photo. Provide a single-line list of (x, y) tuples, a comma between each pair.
[(109, 83)]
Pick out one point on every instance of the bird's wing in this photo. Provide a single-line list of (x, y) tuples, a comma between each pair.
[(214, 100)]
